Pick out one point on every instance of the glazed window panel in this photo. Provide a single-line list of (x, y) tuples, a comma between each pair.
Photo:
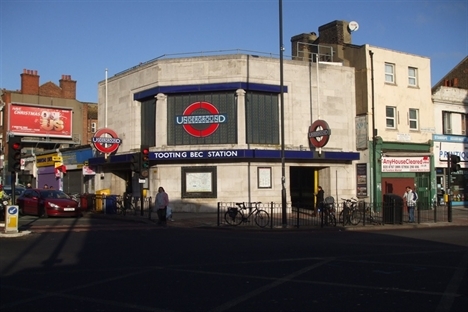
[(413, 119), (148, 123), (454, 123), (389, 73), (447, 122), (390, 117), (262, 118), (412, 76), (202, 118)]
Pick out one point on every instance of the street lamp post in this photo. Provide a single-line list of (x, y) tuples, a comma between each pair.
[(283, 170), (374, 134)]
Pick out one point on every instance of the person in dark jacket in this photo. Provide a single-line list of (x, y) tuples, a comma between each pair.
[(319, 199), (162, 200)]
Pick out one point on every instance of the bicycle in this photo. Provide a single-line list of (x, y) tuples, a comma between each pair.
[(123, 204), (235, 215), (350, 213), (327, 210)]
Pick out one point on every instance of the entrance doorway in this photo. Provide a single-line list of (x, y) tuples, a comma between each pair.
[(302, 187)]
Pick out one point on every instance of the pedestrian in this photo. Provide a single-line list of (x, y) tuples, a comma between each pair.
[(46, 186), (410, 197), (162, 200), (319, 199)]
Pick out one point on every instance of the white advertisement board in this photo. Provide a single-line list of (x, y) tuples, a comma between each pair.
[(406, 164)]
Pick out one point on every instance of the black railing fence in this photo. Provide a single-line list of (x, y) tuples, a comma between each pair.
[(110, 204), (390, 212)]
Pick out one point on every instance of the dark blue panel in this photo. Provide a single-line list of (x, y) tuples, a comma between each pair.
[(161, 156), (342, 155), (229, 86)]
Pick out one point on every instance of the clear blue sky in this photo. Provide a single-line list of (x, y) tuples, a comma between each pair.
[(83, 38)]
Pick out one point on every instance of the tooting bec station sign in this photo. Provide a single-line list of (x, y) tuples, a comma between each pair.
[(106, 141)]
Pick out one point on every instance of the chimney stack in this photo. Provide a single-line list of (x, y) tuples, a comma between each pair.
[(303, 46), (30, 82), (336, 32), (68, 87)]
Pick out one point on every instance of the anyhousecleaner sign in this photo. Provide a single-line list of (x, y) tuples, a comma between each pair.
[(406, 164)]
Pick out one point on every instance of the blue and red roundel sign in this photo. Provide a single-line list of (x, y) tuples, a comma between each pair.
[(201, 119), (106, 141), (319, 133)]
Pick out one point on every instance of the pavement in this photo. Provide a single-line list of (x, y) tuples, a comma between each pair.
[(210, 220)]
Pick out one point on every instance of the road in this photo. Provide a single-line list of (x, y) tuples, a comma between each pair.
[(139, 267)]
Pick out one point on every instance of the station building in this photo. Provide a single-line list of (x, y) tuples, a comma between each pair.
[(213, 125)]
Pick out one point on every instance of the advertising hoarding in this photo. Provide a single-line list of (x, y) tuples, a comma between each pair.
[(27, 120)]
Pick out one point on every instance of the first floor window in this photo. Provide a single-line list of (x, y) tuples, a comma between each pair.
[(390, 115), (413, 119)]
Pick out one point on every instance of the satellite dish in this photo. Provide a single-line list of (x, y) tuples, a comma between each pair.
[(353, 26)]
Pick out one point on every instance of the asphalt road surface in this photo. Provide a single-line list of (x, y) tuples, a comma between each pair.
[(141, 267)]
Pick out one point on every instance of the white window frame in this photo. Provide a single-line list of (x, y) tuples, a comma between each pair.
[(390, 118), (413, 121), (447, 122), (412, 76), (390, 73), (93, 127)]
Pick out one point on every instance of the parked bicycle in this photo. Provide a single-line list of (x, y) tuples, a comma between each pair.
[(350, 213), (125, 205), (237, 215), (328, 210)]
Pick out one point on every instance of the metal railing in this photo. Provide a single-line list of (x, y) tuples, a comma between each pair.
[(371, 214)]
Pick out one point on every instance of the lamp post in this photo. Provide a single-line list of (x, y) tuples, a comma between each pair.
[(283, 170), (374, 134)]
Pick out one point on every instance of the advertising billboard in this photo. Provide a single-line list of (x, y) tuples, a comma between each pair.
[(27, 120)]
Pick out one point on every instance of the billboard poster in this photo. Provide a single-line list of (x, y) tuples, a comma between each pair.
[(406, 164), (26, 120), (361, 180)]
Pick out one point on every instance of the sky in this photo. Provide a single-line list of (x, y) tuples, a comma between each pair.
[(84, 38)]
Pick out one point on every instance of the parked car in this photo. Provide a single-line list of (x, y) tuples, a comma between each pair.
[(47, 203), (19, 189)]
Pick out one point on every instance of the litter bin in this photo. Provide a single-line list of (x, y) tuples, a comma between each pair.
[(100, 195), (84, 202), (392, 209), (111, 204)]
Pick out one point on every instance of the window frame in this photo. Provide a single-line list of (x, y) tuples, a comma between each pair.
[(393, 118), (412, 77), (414, 120), (447, 127), (391, 74)]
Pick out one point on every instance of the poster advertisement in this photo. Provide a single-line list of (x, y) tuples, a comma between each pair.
[(26, 120), (361, 180), (406, 164)]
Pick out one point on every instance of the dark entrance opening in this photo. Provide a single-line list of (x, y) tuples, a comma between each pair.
[(302, 187)]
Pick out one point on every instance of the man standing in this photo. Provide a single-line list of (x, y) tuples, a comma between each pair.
[(319, 199), (410, 198)]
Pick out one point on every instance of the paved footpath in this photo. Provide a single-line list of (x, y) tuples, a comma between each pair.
[(210, 220)]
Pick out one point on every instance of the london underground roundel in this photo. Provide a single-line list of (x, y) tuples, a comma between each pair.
[(200, 119), (319, 133), (106, 141)]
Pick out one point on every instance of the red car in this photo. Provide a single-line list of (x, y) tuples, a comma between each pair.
[(47, 203)]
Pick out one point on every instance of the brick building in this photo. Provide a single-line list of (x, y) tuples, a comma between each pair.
[(48, 118)]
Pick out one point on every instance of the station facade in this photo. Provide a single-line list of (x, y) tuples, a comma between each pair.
[(213, 124)]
